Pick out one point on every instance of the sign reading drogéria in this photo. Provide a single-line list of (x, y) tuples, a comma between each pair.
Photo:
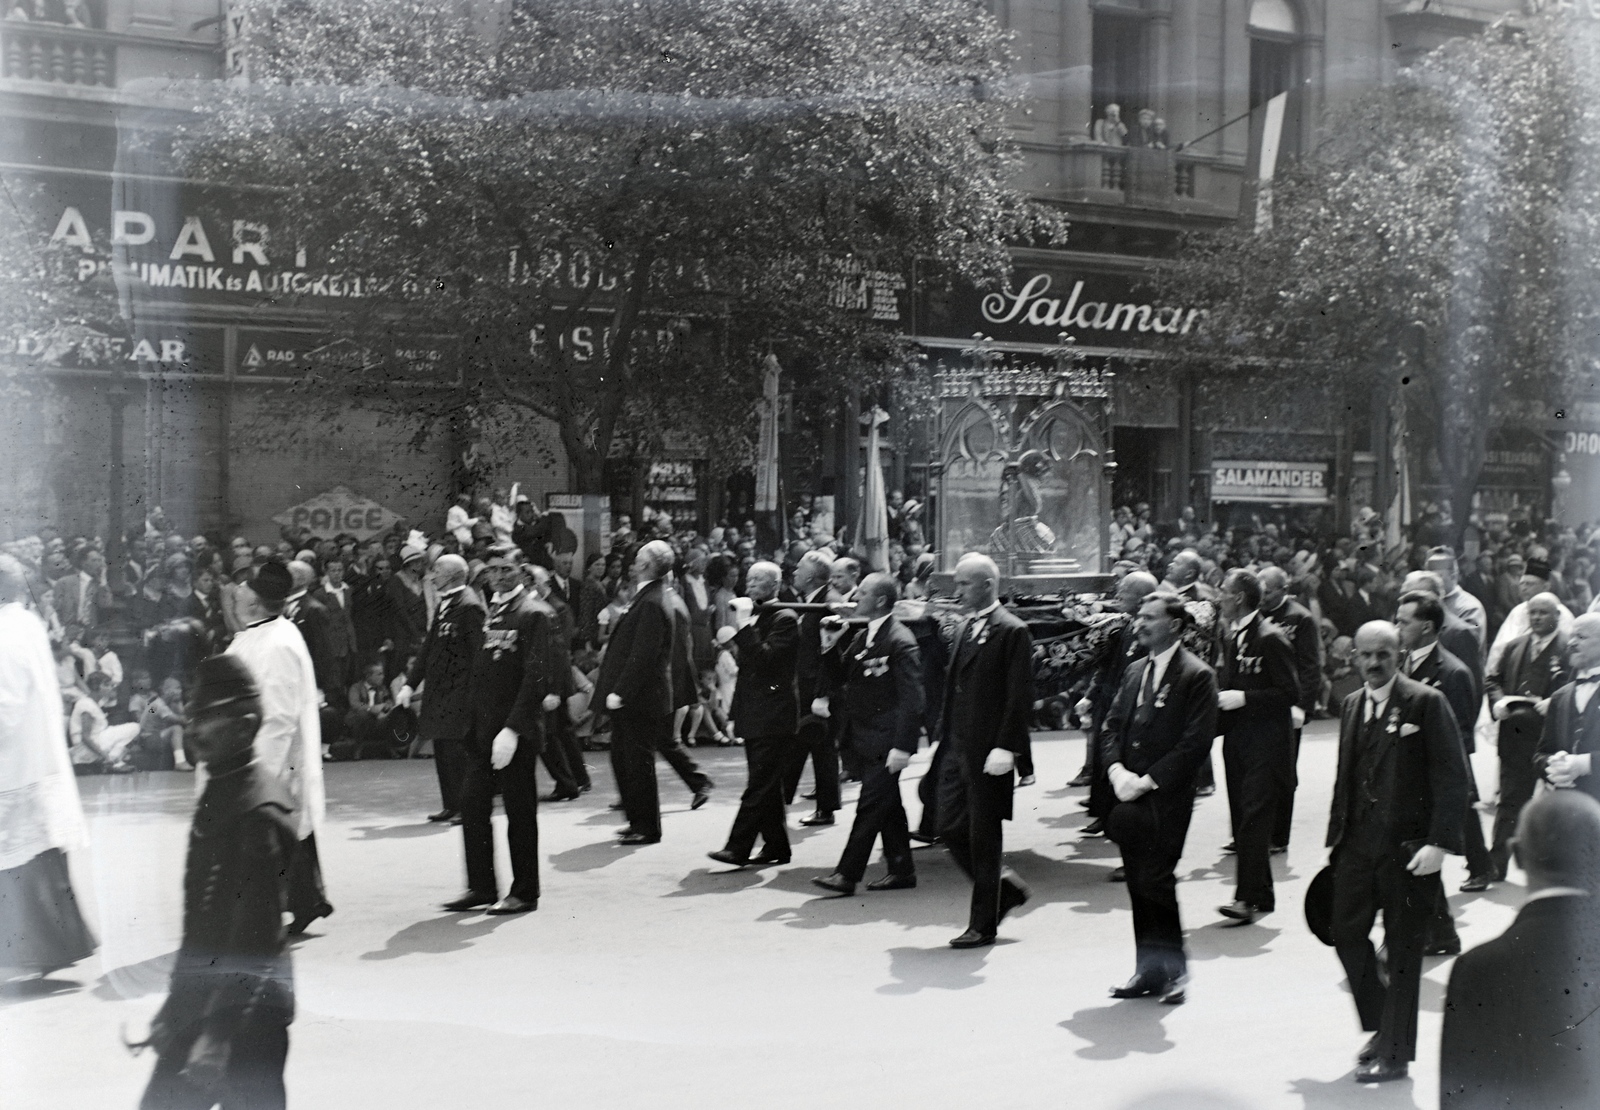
[(1241, 480)]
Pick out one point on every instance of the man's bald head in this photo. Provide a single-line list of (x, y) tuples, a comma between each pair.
[(654, 559), (977, 581), (1377, 654), (1134, 588), (1544, 613), (1424, 580), (449, 571), (1184, 568), (1558, 840), (301, 574), (876, 596)]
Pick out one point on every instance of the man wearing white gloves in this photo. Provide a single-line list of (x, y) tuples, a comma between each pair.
[(512, 689), (988, 701)]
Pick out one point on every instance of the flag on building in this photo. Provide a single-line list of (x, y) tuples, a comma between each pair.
[(873, 527)]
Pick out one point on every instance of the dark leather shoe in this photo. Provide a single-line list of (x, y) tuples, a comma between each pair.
[(471, 900), (456, 820), (1369, 1051), (1205, 791), (1450, 947), (701, 797), (972, 939), (810, 795), (1082, 778), (817, 818), (1475, 884), (893, 882), (618, 806), (1013, 893), (442, 815), (585, 788), (836, 883), (1176, 992), (559, 796), (637, 838), (732, 859), (1118, 875), (303, 922), (922, 838), (1381, 1071), (512, 904), (1231, 848), (1278, 850), (1242, 912), (1140, 986), (1096, 827), (765, 860)]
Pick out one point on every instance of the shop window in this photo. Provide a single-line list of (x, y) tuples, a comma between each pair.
[(1119, 74)]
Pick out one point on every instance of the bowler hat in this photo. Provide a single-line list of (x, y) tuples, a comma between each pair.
[(273, 581), (1319, 905), (221, 680)]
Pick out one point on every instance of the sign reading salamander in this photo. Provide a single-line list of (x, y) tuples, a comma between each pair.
[(1240, 480)]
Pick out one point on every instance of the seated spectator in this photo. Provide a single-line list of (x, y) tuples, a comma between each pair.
[(93, 744), (372, 723), (160, 722), (105, 659)]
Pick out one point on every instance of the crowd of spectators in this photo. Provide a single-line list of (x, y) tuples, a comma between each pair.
[(1347, 578)]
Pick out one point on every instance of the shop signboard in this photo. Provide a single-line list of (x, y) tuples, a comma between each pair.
[(290, 354), (148, 348), (339, 510), (1301, 483)]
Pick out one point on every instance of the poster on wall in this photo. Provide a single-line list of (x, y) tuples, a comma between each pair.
[(338, 511), (582, 525)]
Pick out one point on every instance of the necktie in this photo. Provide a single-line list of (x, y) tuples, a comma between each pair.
[(1146, 708)]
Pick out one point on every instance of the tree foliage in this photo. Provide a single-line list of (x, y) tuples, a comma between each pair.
[(1441, 245), (684, 180)]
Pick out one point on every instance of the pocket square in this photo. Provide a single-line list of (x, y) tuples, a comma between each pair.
[(1410, 730)]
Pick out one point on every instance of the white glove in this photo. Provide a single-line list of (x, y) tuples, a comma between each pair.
[(504, 747), (403, 698), (613, 701), (1564, 769), (1084, 708), (1429, 858), (726, 633), (1230, 699), (603, 617), (999, 762), (552, 701), (743, 611), (898, 761), (1499, 710), (832, 634), (819, 707), (1298, 716)]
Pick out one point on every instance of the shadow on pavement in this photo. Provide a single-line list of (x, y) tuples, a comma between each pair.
[(400, 832), (449, 932), (592, 857), (704, 880), (1398, 1094), (944, 968), (1120, 1029), (136, 980), (26, 990), (936, 900), (1221, 939)]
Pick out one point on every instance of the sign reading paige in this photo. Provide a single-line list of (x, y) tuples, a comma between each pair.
[(1300, 482), (337, 511)]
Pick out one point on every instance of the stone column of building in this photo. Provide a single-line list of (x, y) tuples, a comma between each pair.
[(1077, 69), (1235, 140), (1183, 76)]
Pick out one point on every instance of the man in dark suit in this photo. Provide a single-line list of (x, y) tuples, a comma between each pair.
[(873, 681), (337, 597), (1519, 1025), (1533, 666), (1398, 797), (310, 616), (635, 687), (1571, 734), (562, 754), (1119, 652), (685, 695), (1257, 689), (510, 694), (815, 736), (988, 701), (443, 668), (765, 712), (562, 587), (1305, 637), (1157, 733), (1429, 662), (1458, 637)]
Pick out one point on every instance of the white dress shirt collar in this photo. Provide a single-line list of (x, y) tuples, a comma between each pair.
[(1377, 699), (1417, 656), (872, 628), (1160, 663)]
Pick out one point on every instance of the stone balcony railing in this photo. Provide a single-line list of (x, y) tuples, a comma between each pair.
[(58, 55), (1138, 177)]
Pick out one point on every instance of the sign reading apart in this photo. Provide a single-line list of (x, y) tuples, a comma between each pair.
[(1239, 480), (339, 510)]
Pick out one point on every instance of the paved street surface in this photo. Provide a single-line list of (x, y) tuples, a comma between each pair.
[(652, 978)]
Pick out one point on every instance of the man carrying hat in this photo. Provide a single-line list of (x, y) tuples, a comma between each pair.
[(511, 691), (222, 1035), (289, 744)]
